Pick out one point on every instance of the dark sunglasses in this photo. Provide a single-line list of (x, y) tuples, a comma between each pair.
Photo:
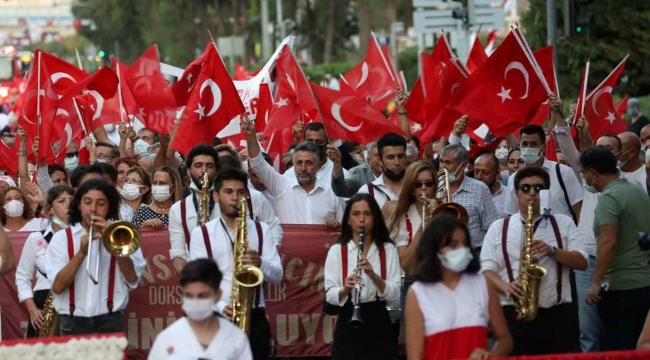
[(527, 187), (72, 154), (428, 184)]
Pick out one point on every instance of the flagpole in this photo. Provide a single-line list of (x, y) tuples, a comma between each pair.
[(531, 58), (119, 91), (584, 88), (81, 121), (38, 97), (78, 58), (383, 58), (610, 74)]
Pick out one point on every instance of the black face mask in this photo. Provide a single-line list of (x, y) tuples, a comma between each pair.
[(393, 175)]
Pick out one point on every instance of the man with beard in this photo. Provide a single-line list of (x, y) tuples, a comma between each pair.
[(486, 168), (184, 214), (391, 149), (298, 200)]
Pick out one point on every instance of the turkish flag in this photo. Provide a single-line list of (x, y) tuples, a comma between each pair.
[(293, 85), (276, 144), (491, 41), (157, 106), (350, 118), (477, 56), (129, 106), (391, 67), (621, 107), (9, 157), (240, 72), (182, 88), (599, 106), (415, 104), (485, 147), (263, 107), (214, 102)]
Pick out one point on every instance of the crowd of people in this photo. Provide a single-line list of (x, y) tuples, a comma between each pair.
[(455, 271)]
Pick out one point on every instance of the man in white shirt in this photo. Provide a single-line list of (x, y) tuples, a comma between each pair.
[(558, 246), (533, 148), (301, 200), (217, 240), (184, 214), (486, 168), (7, 260), (629, 160), (78, 297), (100, 171)]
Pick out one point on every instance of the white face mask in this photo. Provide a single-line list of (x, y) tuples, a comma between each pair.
[(587, 187), (455, 176), (160, 192), (71, 163), (501, 153), (140, 147), (130, 191), (647, 155), (530, 155), (198, 309), (358, 158), (14, 208), (456, 260), (59, 222)]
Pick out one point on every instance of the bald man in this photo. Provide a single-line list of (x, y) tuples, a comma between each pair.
[(645, 141), (486, 169), (628, 159)]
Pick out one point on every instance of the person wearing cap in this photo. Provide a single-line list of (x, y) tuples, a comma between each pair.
[(637, 119)]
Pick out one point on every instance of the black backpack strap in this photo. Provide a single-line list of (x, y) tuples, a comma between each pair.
[(566, 195)]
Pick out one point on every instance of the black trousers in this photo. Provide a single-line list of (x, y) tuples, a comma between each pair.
[(101, 324), (622, 314), (260, 336), (39, 300), (554, 331)]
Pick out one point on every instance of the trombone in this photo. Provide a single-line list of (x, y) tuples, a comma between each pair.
[(446, 205), (120, 238)]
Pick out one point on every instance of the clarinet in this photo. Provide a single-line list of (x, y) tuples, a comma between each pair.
[(356, 322)]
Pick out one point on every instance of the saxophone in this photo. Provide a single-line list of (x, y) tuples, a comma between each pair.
[(204, 213), (245, 278), (530, 274), (51, 319)]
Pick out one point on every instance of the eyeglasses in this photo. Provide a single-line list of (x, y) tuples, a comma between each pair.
[(428, 183), (132, 181), (527, 187), (104, 157), (71, 155)]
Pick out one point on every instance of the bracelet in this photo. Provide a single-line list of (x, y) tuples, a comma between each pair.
[(401, 112), (22, 153)]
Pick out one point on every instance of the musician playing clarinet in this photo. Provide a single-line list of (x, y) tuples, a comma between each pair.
[(374, 271)]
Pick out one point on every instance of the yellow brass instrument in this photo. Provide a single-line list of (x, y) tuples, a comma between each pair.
[(245, 278), (121, 239), (51, 319), (530, 274), (424, 210), (446, 205), (204, 212)]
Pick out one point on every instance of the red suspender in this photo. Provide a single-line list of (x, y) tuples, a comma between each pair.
[(344, 260), (184, 221), (409, 228), (260, 247), (249, 203), (371, 190), (206, 241), (504, 248), (382, 260), (558, 237), (111, 284), (68, 232)]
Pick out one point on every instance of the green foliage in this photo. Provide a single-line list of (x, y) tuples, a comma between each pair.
[(315, 73), (408, 62), (620, 28)]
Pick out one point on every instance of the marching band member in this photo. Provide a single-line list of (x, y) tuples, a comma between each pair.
[(184, 214), (216, 239), (201, 334), (376, 269), (32, 259), (449, 307), (559, 247), (87, 307)]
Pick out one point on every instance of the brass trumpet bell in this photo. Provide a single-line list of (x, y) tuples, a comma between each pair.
[(121, 238), (446, 205)]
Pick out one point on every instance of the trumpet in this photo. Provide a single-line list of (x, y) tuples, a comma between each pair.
[(121, 239), (446, 205), (355, 321), (424, 210)]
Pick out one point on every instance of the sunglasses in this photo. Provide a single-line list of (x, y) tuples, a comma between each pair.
[(428, 184), (72, 154), (527, 187)]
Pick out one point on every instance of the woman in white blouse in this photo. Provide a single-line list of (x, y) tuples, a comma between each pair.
[(32, 259), (379, 280), (15, 214)]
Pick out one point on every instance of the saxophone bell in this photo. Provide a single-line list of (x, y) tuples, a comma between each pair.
[(355, 321)]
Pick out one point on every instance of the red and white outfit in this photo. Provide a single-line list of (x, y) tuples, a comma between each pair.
[(455, 321)]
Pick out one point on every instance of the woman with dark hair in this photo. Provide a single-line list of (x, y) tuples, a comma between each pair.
[(16, 214), (201, 333), (379, 281), (32, 259), (450, 305), (166, 189)]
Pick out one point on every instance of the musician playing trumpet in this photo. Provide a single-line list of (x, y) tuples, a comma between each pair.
[(557, 245), (86, 306), (373, 269)]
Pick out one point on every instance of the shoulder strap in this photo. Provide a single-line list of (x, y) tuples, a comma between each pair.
[(249, 203), (558, 237), (371, 190), (344, 261), (68, 232), (382, 260), (206, 240), (111, 284), (260, 248), (186, 230), (504, 248), (566, 195)]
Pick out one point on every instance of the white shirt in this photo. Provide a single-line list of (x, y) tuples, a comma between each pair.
[(492, 254), (500, 200), (90, 299), (176, 232), (126, 212), (402, 237), (35, 224), (369, 291), (222, 253), (32, 260), (638, 175), (293, 205), (266, 194), (323, 175), (556, 201), (381, 198), (178, 342)]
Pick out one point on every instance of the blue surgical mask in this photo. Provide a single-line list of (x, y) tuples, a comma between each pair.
[(632, 112)]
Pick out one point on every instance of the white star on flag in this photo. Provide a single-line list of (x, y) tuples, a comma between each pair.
[(416, 127), (200, 111), (282, 102), (610, 117), (368, 109), (504, 94), (189, 77)]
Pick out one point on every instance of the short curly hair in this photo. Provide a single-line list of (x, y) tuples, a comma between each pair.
[(102, 185), (28, 214)]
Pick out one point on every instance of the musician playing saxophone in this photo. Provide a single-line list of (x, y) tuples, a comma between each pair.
[(216, 240), (558, 247)]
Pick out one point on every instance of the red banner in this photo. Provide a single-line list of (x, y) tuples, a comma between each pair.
[(294, 307)]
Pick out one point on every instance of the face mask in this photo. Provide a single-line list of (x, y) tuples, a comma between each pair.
[(530, 155), (198, 309), (393, 175), (130, 191), (358, 158), (456, 260), (160, 192), (14, 208), (59, 222), (589, 188), (436, 156), (632, 112), (140, 147), (621, 163), (647, 155), (453, 177), (71, 163), (101, 161), (501, 153)]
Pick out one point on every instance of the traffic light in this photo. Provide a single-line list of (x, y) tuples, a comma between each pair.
[(466, 13), (581, 19), (461, 14)]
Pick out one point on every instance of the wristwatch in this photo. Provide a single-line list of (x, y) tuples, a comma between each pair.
[(553, 251)]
